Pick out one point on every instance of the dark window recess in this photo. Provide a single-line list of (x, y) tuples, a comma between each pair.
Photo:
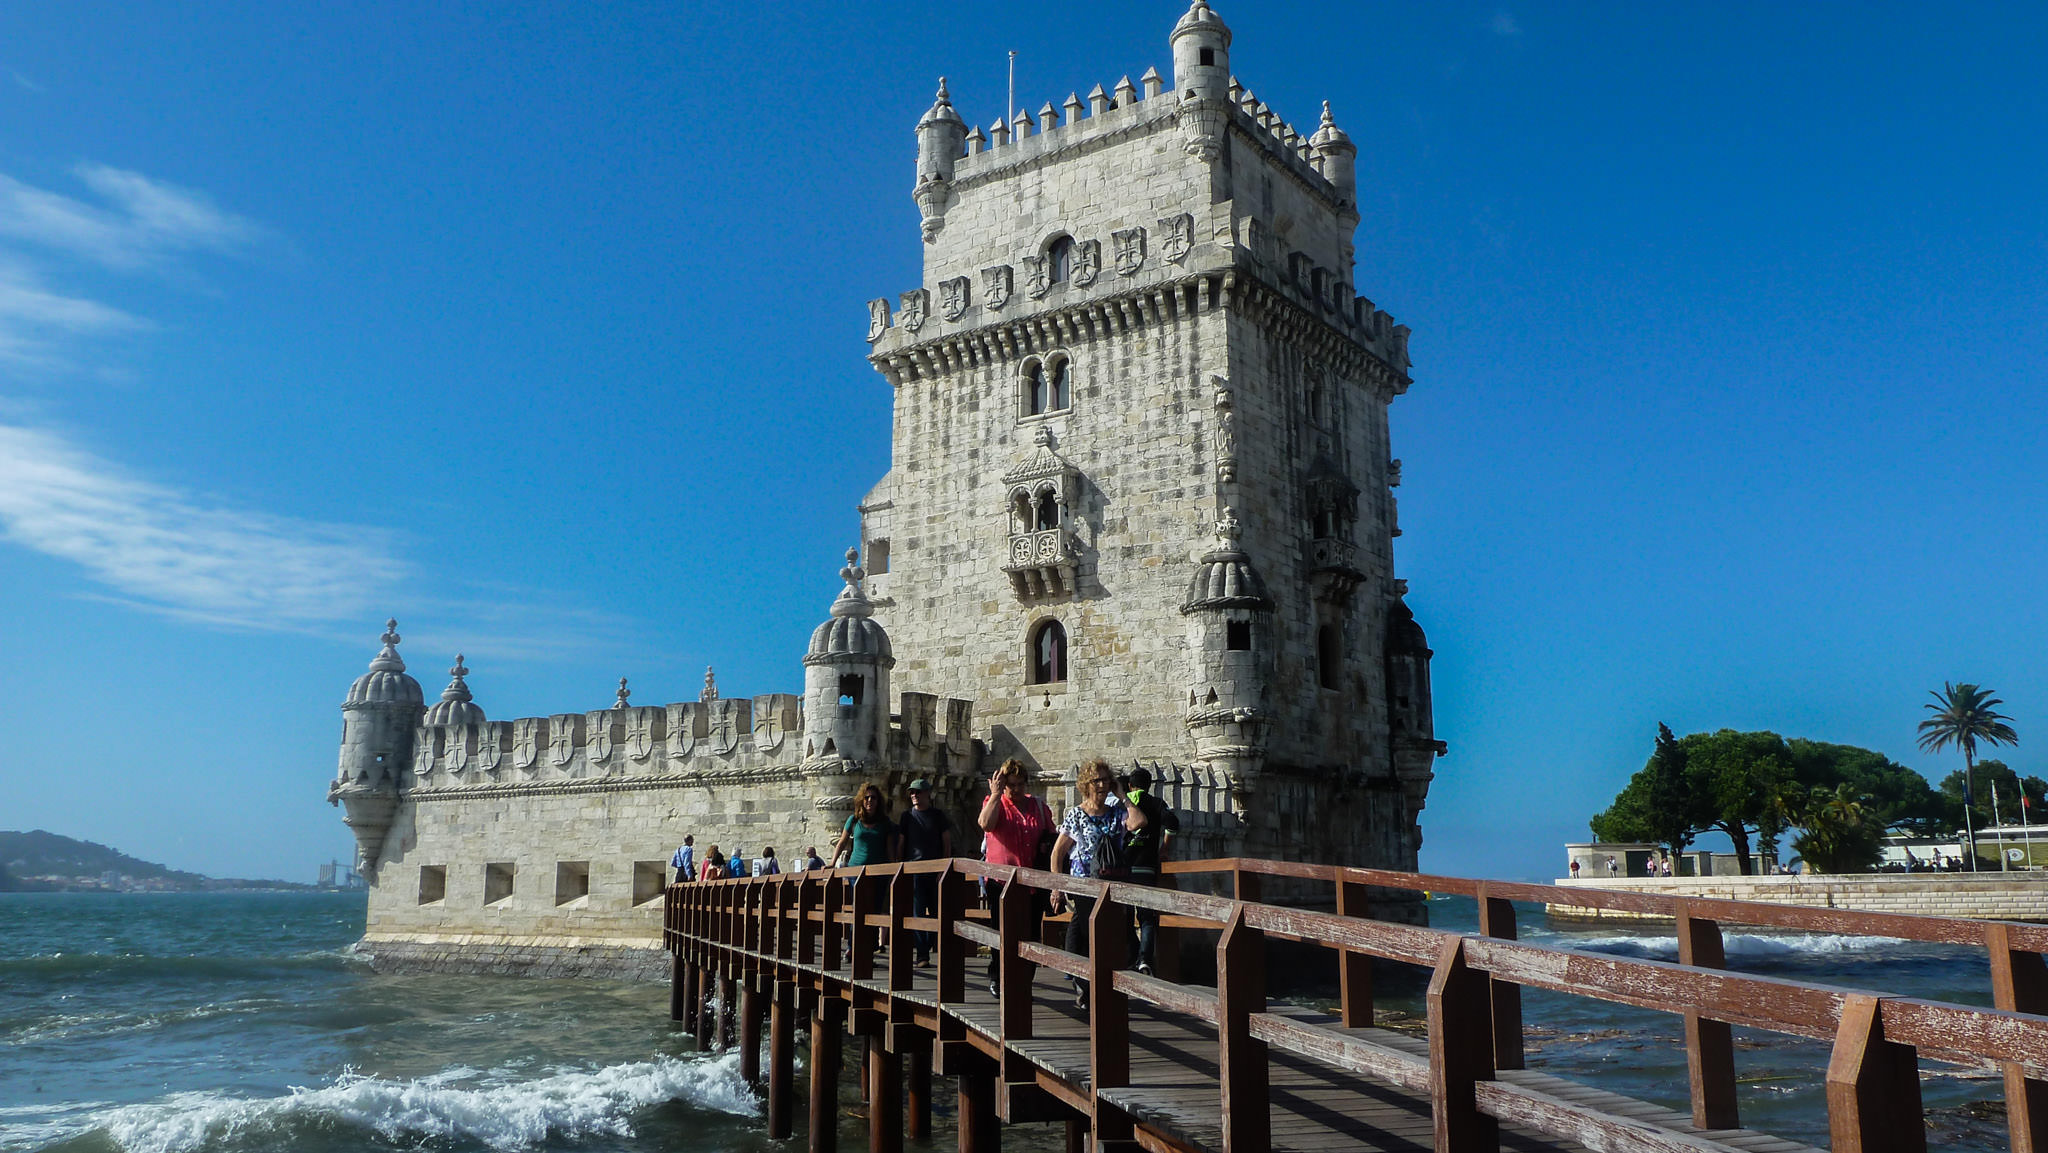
[(1238, 636), (1059, 260), (1056, 387), (1048, 511), (1036, 386), (878, 557), (1049, 654), (1329, 657), (849, 690), (1208, 57)]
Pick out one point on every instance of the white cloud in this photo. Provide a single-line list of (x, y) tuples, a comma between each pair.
[(37, 322), (165, 550), (140, 222), (1505, 24)]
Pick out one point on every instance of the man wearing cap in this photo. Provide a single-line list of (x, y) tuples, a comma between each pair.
[(1146, 848), (927, 835)]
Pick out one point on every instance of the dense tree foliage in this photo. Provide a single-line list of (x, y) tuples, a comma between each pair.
[(1995, 783), (1759, 785)]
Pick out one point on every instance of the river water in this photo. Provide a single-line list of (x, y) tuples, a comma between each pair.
[(226, 1023)]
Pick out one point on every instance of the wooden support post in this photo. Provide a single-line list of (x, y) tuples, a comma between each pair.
[(781, 1060), (679, 989), (750, 1035), (1873, 1086), (951, 950), (901, 949), (918, 1090), (1460, 1054), (835, 933), (980, 1130), (1709, 1044), (1109, 1016), (1244, 886), (808, 893), (728, 1009), (1497, 919), (1077, 1135), (1241, 1059), (863, 902), (701, 1006), (885, 1099), (825, 1041), (1354, 968), (1013, 917), (2019, 984)]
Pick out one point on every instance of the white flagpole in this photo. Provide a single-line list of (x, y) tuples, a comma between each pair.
[(1010, 109), (2004, 862), (2026, 830)]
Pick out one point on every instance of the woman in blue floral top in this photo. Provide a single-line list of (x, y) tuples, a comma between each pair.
[(1102, 814)]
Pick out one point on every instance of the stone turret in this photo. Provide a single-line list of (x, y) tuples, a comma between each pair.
[(846, 678), (1336, 157), (456, 706), (1201, 79), (378, 718), (1230, 638), (1410, 714), (941, 137)]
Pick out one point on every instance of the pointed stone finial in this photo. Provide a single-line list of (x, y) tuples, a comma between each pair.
[(1020, 125), (1126, 92), (999, 133), (1152, 82), (458, 689), (1073, 107), (976, 141), (853, 600), (1098, 101), (624, 692), (852, 573), (1048, 117), (1227, 529), (1043, 437), (387, 659), (710, 692)]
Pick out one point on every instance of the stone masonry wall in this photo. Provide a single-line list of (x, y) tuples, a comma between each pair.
[(2002, 896)]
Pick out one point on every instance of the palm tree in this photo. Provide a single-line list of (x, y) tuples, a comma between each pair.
[(1964, 715)]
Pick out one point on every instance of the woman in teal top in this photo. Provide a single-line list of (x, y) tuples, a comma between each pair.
[(869, 836)]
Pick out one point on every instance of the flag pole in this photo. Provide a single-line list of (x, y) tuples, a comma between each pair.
[(1010, 109)]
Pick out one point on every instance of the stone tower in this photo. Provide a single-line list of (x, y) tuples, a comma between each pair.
[(1139, 503), (378, 718)]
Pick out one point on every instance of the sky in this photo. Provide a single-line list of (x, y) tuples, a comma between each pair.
[(541, 329)]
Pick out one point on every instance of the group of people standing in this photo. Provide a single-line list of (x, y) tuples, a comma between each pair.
[(1119, 831), (718, 866)]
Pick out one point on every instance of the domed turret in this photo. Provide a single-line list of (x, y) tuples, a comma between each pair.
[(456, 706), (1201, 79), (941, 137), (846, 677), (1230, 640), (383, 707), (1336, 156)]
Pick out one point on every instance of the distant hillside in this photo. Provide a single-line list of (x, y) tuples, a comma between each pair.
[(43, 861)]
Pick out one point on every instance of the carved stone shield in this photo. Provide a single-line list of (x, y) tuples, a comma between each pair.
[(724, 723), (916, 305), (953, 298), (458, 749), (640, 735), (682, 732), (423, 750), (878, 318), (768, 729), (1130, 250), (996, 286), (561, 740), (1087, 262), (1177, 237), (490, 748), (1037, 281), (526, 742), (598, 749)]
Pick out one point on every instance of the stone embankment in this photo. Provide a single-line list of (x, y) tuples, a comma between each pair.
[(1990, 896)]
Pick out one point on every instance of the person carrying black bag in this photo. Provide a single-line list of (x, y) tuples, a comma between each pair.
[(1145, 847), (1092, 844)]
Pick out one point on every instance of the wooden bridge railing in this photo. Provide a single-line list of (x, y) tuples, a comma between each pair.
[(797, 942)]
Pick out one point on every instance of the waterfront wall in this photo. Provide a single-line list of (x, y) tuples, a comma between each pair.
[(1990, 896)]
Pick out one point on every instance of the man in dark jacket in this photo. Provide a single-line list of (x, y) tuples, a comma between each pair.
[(927, 834), (1147, 848)]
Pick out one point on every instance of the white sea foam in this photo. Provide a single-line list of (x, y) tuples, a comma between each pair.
[(1735, 944), (485, 1107)]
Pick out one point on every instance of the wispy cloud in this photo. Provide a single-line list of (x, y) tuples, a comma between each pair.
[(37, 322), (24, 82), (1505, 24), (167, 551), (136, 222)]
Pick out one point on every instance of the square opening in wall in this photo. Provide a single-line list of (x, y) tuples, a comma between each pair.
[(498, 882), (433, 884), (572, 881), (878, 557), (850, 691), (649, 879), (1238, 636)]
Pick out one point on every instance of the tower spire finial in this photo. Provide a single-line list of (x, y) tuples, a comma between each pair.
[(387, 659), (624, 692), (710, 692)]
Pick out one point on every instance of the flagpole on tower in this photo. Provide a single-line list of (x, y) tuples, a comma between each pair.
[(1010, 109)]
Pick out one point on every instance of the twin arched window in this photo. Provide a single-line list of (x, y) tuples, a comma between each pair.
[(1046, 386), (1048, 654)]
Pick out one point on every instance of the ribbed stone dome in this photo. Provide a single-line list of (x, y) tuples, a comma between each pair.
[(1225, 577), (1200, 17), (1329, 135), (1404, 636), (386, 682), (852, 633), (456, 706), (941, 109)]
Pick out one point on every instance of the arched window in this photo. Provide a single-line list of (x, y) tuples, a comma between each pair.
[(1056, 385), (1048, 510), (1329, 657), (1021, 514), (1059, 260), (1045, 386), (1049, 654)]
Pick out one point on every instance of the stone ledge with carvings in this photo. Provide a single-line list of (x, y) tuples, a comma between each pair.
[(1043, 563)]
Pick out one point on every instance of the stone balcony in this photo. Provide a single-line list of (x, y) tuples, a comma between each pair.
[(1333, 569), (1042, 563)]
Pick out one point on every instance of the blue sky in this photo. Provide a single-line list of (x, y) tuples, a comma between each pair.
[(541, 329)]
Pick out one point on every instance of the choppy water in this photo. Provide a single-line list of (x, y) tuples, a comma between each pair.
[(237, 1022)]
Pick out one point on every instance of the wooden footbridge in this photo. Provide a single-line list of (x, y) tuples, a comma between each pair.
[(1218, 1067)]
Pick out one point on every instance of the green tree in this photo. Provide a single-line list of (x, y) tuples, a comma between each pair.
[(1992, 778), (1893, 795), (1658, 805), (1965, 714), (1744, 775), (1842, 833)]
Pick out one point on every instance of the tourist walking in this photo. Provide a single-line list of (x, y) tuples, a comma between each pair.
[(685, 860), (714, 865), (1150, 844), (867, 838), (766, 865), (926, 835), (1092, 843), (811, 858), (1012, 820), (736, 862)]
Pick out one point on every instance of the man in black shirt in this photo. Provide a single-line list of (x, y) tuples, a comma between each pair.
[(1147, 847), (927, 834)]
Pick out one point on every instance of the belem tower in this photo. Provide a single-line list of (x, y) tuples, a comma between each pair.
[(1140, 506)]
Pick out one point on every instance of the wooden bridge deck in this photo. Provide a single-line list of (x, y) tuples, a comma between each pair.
[(1166, 1067)]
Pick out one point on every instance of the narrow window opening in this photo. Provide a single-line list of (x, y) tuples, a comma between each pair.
[(1326, 523), (572, 881), (1208, 57), (1048, 511), (1238, 636), (433, 884), (649, 878), (498, 882), (1059, 260), (1049, 654), (1056, 389), (850, 690), (878, 557), (1329, 657), (1021, 513), (1035, 388)]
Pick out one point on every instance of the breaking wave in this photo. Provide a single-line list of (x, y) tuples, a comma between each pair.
[(453, 1105), (1737, 945)]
